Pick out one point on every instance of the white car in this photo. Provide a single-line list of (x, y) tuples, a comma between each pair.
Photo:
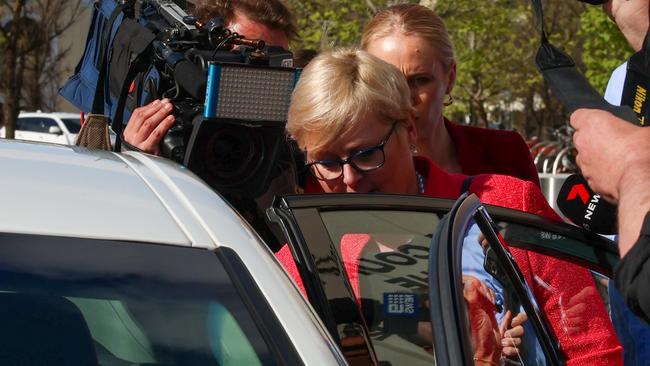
[(58, 128), (55, 127), (128, 259)]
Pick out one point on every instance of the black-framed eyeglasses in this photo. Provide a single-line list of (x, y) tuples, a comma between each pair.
[(364, 160)]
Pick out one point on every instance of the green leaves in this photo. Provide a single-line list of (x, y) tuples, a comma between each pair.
[(495, 43), (325, 24), (604, 47)]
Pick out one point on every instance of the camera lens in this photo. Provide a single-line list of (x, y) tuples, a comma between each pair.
[(234, 154)]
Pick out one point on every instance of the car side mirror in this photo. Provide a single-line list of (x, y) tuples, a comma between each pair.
[(54, 130)]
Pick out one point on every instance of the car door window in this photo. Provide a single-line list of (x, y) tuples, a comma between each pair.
[(599, 256), (384, 252), (72, 124), (29, 124), (33, 124), (385, 257), (46, 123), (502, 310), (379, 244)]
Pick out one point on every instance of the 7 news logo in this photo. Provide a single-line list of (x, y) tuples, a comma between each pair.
[(583, 193)]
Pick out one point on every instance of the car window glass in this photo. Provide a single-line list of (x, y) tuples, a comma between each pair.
[(501, 331), (72, 124), (36, 124), (385, 257), (27, 124), (591, 311), (118, 311), (46, 123), (21, 124)]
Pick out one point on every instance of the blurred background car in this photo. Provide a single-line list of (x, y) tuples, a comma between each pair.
[(54, 127)]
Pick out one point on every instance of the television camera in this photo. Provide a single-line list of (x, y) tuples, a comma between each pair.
[(230, 95)]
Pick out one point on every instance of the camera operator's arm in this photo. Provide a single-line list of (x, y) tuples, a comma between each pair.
[(148, 124)]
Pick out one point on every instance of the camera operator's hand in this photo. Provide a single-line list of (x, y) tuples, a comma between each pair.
[(615, 159), (148, 124), (608, 149)]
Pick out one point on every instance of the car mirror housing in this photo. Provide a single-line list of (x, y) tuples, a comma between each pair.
[(54, 130)]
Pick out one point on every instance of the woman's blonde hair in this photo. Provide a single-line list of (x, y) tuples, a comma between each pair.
[(337, 89), (411, 20)]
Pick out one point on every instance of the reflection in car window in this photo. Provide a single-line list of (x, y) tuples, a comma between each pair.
[(633, 333), (72, 124), (121, 304), (385, 256), (501, 307), (574, 300)]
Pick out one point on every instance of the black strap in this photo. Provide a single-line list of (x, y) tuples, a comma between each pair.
[(99, 98), (637, 83), (567, 83), (464, 188), (138, 42), (117, 124)]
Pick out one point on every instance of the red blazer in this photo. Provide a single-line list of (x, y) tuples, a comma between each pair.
[(558, 286), (488, 151)]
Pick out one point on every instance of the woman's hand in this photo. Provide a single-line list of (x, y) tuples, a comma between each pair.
[(512, 333), (486, 336)]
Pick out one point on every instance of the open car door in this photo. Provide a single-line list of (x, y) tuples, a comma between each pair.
[(386, 275)]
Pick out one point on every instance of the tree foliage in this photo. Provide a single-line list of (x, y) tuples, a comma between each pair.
[(495, 43), (604, 47), (325, 24)]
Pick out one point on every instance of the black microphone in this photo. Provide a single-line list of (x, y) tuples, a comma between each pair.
[(585, 208)]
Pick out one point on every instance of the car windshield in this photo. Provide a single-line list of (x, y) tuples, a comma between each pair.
[(72, 124), (113, 303)]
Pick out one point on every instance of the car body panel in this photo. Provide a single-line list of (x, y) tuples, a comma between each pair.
[(67, 191), (95, 181)]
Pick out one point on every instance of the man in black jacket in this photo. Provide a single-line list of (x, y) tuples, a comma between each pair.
[(614, 157)]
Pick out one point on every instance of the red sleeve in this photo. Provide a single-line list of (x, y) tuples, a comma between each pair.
[(286, 258), (569, 299)]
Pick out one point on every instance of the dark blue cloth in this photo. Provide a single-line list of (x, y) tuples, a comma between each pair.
[(633, 333)]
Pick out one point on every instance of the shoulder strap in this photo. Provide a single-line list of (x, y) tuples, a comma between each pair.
[(136, 41), (464, 188), (567, 83)]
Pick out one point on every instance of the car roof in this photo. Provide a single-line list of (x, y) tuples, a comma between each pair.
[(49, 114), (66, 190)]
